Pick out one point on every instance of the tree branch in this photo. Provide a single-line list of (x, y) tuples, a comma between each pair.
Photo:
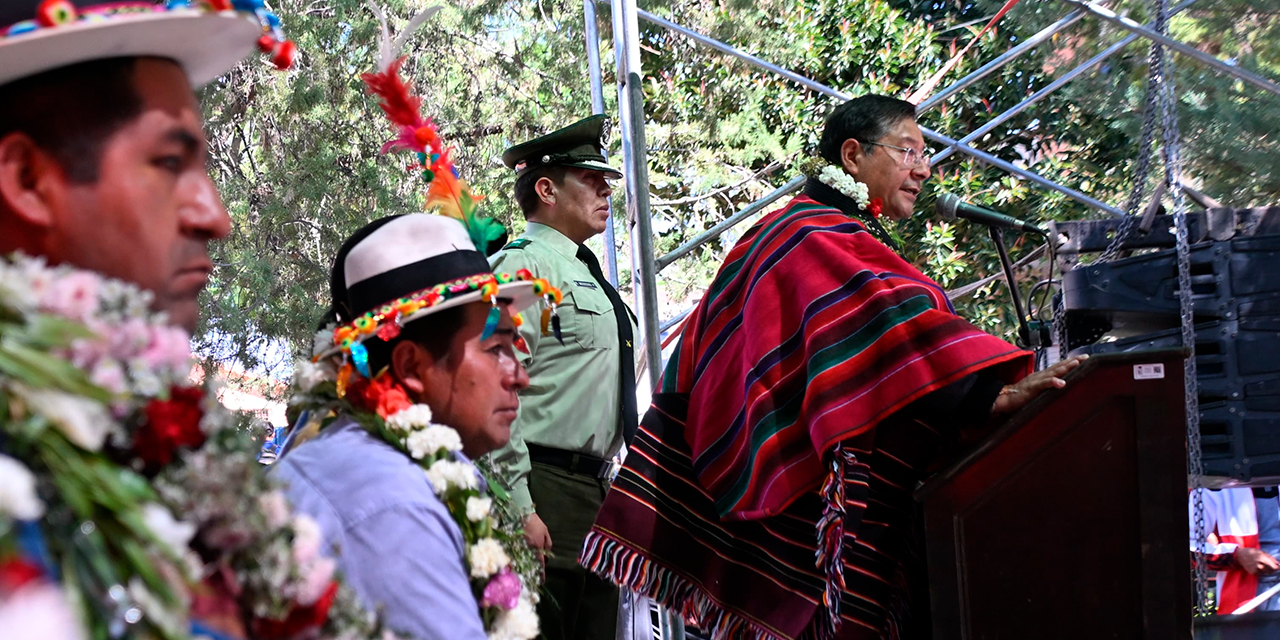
[(773, 166)]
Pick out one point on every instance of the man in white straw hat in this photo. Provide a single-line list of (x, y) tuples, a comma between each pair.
[(102, 152), (417, 378), (428, 382)]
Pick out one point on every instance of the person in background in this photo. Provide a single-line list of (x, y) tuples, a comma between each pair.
[(580, 406), (1246, 524), (394, 538), (817, 382)]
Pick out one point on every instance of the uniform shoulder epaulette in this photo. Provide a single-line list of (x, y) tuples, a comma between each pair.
[(518, 243)]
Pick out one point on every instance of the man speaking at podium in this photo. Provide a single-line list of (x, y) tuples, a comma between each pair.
[(768, 492)]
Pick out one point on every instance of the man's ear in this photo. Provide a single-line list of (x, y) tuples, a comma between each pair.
[(850, 152), (546, 189), (409, 361), (29, 179)]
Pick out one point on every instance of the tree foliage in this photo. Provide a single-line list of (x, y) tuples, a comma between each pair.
[(296, 154)]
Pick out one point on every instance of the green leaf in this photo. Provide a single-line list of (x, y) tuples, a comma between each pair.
[(45, 370), (45, 331)]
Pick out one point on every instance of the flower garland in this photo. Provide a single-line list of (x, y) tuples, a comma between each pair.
[(503, 568), (134, 490), (835, 177)]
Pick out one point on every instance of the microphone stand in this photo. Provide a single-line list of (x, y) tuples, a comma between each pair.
[(1024, 330)]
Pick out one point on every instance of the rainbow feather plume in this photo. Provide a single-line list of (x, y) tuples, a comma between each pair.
[(446, 193)]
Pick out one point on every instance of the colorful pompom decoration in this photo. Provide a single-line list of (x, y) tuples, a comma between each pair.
[(386, 321), (52, 13)]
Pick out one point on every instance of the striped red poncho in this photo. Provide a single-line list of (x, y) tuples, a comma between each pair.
[(767, 491)]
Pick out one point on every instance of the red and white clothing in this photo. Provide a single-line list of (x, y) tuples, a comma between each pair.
[(1233, 516)]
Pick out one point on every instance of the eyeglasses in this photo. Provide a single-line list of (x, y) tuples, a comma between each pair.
[(913, 157)]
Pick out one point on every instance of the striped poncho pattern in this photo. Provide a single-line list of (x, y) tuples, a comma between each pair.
[(766, 490)]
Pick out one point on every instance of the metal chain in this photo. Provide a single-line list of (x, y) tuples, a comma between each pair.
[(1172, 166), (1150, 111), (1155, 62)]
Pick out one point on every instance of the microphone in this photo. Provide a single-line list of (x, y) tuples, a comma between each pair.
[(950, 207)]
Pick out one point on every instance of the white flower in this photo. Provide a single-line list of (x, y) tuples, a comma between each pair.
[(146, 382), (39, 612), (18, 491), (306, 539), (323, 340), (307, 374), (431, 440), (444, 474), (15, 289), (193, 565), (173, 621), (172, 533), (216, 417), (478, 508), (84, 422), (416, 416), (275, 508), (487, 557), (520, 623), (837, 179)]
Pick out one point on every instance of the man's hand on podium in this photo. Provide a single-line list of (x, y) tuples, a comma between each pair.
[(1256, 561), (1016, 396)]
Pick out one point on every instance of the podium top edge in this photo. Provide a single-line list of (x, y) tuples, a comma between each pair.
[(1016, 422)]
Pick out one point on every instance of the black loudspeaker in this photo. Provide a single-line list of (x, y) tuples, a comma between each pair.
[(1132, 304)]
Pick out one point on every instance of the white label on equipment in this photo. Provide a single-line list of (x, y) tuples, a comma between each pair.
[(1148, 371)]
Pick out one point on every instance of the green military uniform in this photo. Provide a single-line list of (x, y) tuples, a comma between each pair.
[(570, 422), (572, 402)]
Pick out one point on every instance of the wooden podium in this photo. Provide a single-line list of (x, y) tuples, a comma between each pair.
[(1070, 521)]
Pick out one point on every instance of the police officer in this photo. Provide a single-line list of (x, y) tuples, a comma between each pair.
[(580, 404)]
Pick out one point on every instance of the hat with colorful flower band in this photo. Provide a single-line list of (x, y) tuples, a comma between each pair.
[(411, 266), (206, 37)]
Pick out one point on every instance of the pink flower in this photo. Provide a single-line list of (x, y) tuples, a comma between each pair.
[(168, 347), (275, 508), (503, 590), (109, 375), (307, 538), (73, 296), (131, 337), (39, 611), (315, 580)]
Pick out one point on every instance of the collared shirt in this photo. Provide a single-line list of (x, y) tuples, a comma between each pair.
[(396, 544), (572, 401)]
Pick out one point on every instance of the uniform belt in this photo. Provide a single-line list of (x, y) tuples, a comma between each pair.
[(571, 461)]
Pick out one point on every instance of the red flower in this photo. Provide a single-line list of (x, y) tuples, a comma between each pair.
[(15, 573), (299, 619), (170, 424), (382, 395), (876, 207)]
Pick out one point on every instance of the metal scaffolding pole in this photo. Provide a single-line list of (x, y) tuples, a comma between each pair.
[(626, 46), (1017, 171), (592, 33), (1001, 60), (626, 38), (1177, 45), (730, 222), (1049, 88), (1058, 83)]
